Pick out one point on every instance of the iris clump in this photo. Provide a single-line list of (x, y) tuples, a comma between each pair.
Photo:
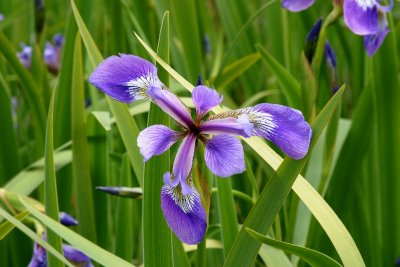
[(128, 78), (363, 17)]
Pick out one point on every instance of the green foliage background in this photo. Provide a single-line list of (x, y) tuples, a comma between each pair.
[(55, 149)]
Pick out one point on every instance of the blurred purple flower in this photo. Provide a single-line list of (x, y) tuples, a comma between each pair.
[(1, 17), (363, 17), (75, 256), (128, 78), (52, 53), (25, 56), (39, 258), (297, 5)]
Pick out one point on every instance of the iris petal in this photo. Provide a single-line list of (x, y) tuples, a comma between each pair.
[(184, 214), (205, 99), (184, 161), (124, 78), (373, 42), (155, 140), (362, 19), (297, 5), (171, 105), (283, 126), (231, 126), (224, 155)]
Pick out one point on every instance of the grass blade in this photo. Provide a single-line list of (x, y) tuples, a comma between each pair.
[(312, 257), (156, 233), (50, 186), (80, 154)]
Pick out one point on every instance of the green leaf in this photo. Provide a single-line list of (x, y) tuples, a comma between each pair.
[(34, 236), (312, 257), (289, 85), (80, 150), (156, 233), (235, 69), (26, 181), (7, 227), (92, 250), (31, 90), (50, 186), (126, 125)]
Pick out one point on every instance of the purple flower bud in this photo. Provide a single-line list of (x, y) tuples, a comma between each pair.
[(312, 40), (128, 192), (67, 220)]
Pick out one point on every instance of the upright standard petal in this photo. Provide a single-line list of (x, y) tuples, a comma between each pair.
[(297, 5), (171, 104), (124, 78), (224, 155), (362, 16), (184, 161), (228, 125), (155, 140), (205, 99), (373, 42), (283, 126), (184, 214)]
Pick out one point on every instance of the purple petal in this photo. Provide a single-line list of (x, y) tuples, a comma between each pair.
[(1, 17), (58, 40), (67, 220), (373, 42), (224, 155), (362, 16), (297, 5), (171, 104), (283, 126), (51, 56), (25, 56), (155, 140), (124, 78), (330, 56), (184, 214), (74, 255), (231, 126), (205, 99), (183, 161), (39, 258)]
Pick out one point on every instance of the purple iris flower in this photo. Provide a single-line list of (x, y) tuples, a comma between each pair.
[(1, 17), (78, 258), (128, 78), (25, 56), (367, 18), (75, 256), (52, 53)]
